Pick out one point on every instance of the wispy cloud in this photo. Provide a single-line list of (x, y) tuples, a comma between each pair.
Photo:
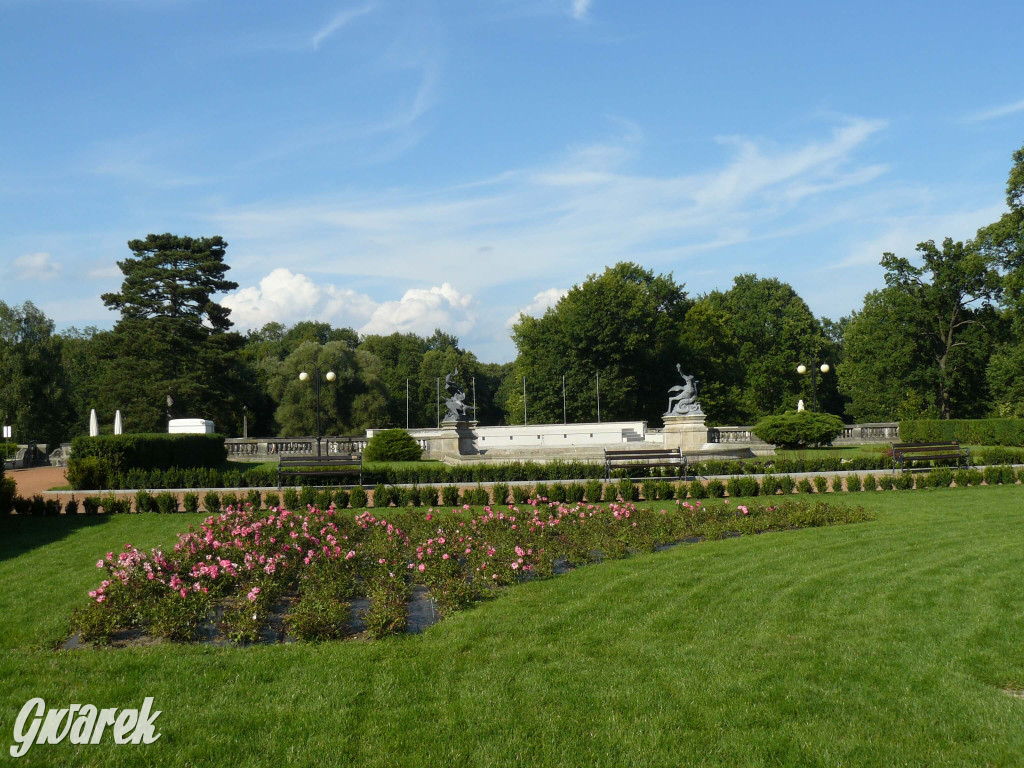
[(35, 266), (580, 9), (557, 222), (995, 113), (338, 21)]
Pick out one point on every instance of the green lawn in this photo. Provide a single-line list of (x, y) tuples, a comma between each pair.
[(884, 643)]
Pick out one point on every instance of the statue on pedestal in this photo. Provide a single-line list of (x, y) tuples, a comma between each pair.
[(456, 402), (682, 399)]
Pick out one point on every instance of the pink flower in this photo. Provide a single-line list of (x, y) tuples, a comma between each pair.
[(422, 567), (99, 563), (251, 597)]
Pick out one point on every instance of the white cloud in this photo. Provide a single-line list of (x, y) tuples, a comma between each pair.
[(580, 9), (996, 112), (338, 21), (35, 266), (539, 305), (423, 310), (287, 297)]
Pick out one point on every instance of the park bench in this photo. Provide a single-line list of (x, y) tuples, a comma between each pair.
[(950, 450), (646, 460), (325, 466)]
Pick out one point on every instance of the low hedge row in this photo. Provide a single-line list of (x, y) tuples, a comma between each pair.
[(592, 491), (262, 476), (971, 431)]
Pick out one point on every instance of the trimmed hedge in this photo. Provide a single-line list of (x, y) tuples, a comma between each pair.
[(94, 460), (970, 431)]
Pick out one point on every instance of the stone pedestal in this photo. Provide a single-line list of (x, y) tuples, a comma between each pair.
[(458, 438), (688, 432)]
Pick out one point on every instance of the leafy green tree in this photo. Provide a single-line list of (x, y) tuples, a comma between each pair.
[(770, 330), (1003, 242), (355, 400), (953, 290), (623, 324), (887, 373), (34, 390)]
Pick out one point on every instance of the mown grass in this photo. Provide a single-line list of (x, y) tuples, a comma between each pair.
[(885, 643)]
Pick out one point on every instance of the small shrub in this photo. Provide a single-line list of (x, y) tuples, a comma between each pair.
[(540, 491), (786, 484), (91, 504), (191, 502), (117, 506), (211, 503), (254, 497), (500, 491), (291, 499), (885, 482), (592, 491), (450, 496), (820, 484), (749, 486), (307, 496), (715, 489), (384, 495), (574, 493), (166, 503), (71, 508), (392, 445), (853, 483), (698, 490), (903, 482), (803, 485), (428, 495), (520, 494), (837, 484), (666, 490), (799, 428), (357, 499), (273, 499), (322, 499), (732, 486), (769, 485), (870, 483), (52, 508), (23, 506), (649, 489), (940, 477), (229, 499), (627, 490), (557, 492), (339, 498), (144, 502)]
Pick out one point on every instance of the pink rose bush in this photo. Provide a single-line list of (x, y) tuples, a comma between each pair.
[(239, 565)]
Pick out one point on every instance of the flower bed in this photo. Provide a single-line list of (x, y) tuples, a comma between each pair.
[(240, 567)]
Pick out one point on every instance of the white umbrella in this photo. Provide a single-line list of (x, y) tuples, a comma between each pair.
[(94, 424), (118, 426)]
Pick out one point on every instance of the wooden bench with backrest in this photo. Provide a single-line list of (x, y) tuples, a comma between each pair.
[(949, 450), (647, 460), (350, 465)]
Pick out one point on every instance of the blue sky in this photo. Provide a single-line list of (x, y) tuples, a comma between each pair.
[(407, 165)]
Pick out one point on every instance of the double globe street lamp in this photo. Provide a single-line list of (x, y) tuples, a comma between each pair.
[(802, 369), (329, 376)]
